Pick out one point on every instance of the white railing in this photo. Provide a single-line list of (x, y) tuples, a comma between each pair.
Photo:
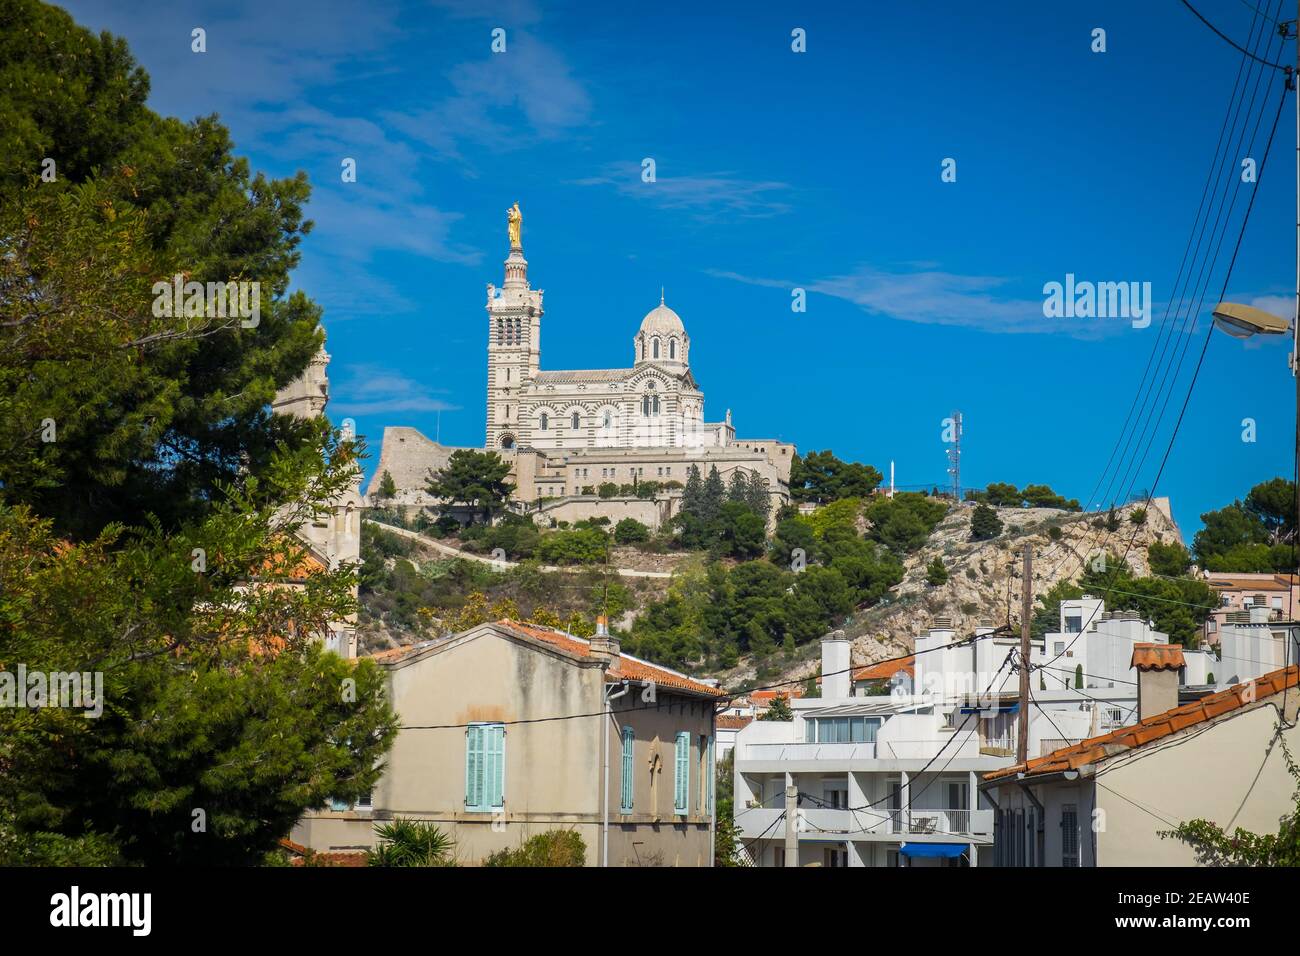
[(804, 751), (813, 821)]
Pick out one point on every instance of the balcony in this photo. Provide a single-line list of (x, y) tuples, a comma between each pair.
[(803, 751), (879, 823)]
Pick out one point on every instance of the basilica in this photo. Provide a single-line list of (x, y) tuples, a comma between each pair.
[(568, 432)]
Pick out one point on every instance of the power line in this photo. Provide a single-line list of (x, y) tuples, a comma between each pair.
[(1229, 40)]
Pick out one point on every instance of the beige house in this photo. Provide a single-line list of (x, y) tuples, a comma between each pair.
[(504, 735), (1241, 593), (1104, 801)]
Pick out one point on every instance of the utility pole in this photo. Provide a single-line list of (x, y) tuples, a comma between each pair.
[(1026, 610), (791, 824)]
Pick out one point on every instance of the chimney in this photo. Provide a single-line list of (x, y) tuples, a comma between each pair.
[(836, 679), (602, 644), (1158, 667)]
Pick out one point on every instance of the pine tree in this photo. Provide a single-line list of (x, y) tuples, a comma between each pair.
[(387, 487), (738, 487), (693, 495), (714, 494), (756, 496)]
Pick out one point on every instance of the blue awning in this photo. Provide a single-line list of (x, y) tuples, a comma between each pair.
[(994, 707), (927, 850)]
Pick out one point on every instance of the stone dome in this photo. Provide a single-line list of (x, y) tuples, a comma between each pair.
[(663, 320)]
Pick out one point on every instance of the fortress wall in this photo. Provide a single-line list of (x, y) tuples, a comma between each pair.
[(407, 455)]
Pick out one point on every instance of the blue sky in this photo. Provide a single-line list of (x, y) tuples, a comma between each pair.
[(774, 169)]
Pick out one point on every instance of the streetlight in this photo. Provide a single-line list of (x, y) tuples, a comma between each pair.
[(1243, 321)]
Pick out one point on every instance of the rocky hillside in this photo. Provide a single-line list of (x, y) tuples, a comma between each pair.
[(984, 578)]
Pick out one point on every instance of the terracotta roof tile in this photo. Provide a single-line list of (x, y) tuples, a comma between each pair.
[(628, 667), (885, 670), (1157, 657), (1155, 727), (733, 722)]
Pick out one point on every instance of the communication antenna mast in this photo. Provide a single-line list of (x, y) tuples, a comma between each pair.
[(954, 456)]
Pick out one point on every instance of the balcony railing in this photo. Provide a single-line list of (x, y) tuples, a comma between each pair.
[(858, 824)]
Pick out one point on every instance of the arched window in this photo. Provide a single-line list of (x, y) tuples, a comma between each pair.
[(656, 404), (645, 405), (575, 419), (544, 421), (655, 345), (672, 348), (609, 418)]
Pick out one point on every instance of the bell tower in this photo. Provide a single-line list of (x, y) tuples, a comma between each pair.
[(514, 342)]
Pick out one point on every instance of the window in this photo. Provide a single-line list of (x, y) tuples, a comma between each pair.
[(841, 730), (835, 856), (609, 418), (778, 856), (672, 348), (485, 759), (544, 421), (682, 775), (625, 804), (575, 419), (1069, 835), (1073, 624), (1058, 648), (655, 344)]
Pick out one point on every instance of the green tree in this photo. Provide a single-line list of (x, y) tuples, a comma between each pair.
[(1042, 496), (1003, 495), (179, 408), (713, 496), (820, 477), (904, 522), (984, 523), (387, 487), (778, 709), (1273, 504), (935, 573), (1171, 560), (474, 478), (631, 531)]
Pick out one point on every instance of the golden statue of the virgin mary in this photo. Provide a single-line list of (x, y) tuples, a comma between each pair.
[(515, 226)]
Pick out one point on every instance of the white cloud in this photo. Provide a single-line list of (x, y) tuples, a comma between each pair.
[(934, 297), (707, 194), (367, 389)]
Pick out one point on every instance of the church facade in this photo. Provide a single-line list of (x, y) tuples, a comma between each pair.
[(567, 432)]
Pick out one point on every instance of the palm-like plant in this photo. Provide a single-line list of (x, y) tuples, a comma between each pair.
[(410, 843)]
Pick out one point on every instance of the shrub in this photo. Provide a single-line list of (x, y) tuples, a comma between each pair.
[(607, 489), (552, 848), (631, 531), (410, 843), (936, 573)]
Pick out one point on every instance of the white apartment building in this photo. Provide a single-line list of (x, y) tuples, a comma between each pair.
[(893, 780)]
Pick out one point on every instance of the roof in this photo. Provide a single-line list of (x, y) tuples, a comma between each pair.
[(1157, 657), (1239, 582), (1155, 727), (582, 375), (761, 697), (885, 669), (306, 856), (732, 722), (627, 668)]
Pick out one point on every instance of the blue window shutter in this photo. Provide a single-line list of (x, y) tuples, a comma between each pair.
[(628, 743), (711, 770), (497, 762), (473, 766), (683, 777)]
